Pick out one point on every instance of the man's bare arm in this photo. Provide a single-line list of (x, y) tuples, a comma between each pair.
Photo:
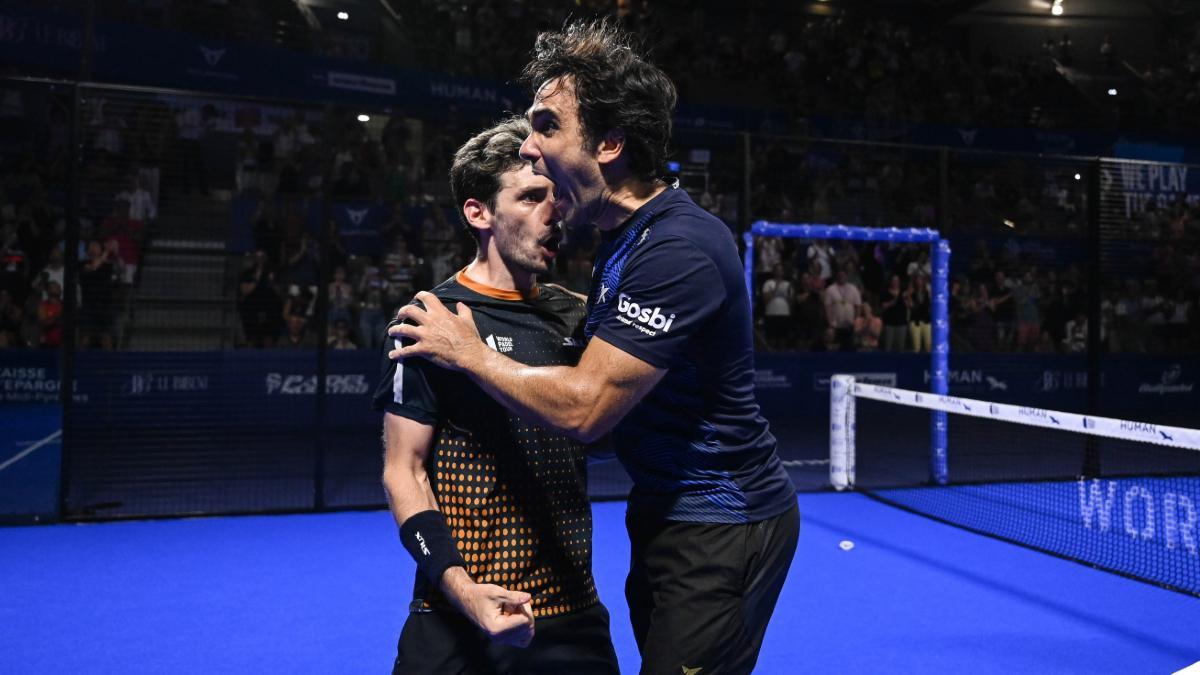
[(586, 400), (506, 616), (406, 445)]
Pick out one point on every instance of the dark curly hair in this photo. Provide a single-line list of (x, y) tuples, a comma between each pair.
[(479, 163), (616, 87)]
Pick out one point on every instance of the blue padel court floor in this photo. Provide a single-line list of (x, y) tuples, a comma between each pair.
[(327, 593)]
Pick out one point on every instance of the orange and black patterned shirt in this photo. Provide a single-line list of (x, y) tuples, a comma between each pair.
[(514, 493)]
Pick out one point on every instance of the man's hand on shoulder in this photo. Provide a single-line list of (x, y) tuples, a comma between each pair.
[(447, 339), (505, 616)]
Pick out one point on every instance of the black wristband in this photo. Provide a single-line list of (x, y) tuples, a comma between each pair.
[(429, 541)]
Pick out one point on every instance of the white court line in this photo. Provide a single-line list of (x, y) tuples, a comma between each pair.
[(21, 455)]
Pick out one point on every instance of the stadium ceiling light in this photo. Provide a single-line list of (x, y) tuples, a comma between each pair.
[(1112, 92), (344, 16), (364, 118), (1009, 223), (1078, 177), (1056, 9)]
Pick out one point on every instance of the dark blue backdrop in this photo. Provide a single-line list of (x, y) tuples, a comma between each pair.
[(250, 393)]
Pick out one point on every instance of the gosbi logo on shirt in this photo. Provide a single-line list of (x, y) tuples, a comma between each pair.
[(652, 317)]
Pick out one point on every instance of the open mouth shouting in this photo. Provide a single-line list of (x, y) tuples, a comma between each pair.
[(549, 243)]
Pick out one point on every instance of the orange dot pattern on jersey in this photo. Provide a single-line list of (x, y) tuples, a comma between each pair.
[(521, 519)]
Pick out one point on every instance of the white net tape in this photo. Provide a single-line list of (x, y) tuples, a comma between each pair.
[(1092, 425)]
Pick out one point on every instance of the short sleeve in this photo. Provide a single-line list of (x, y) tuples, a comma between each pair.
[(404, 387), (669, 291)]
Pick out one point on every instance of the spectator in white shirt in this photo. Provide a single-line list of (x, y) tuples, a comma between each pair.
[(841, 305), (778, 295), (822, 253), (141, 202), (770, 253), (1077, 331)]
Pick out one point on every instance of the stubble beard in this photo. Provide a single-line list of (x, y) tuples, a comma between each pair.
[(530, 263)]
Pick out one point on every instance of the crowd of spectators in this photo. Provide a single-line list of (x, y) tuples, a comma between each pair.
[(397, 166), (881, 68), (877, 70), (278, 289), (33, 171), (859, 296), (879, 65), (812, 295), (32, 269), (1009, 292), (201, 153), (1172, 82), (884, 70)]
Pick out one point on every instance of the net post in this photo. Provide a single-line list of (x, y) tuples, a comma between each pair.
[(939, 367), (841, 431)]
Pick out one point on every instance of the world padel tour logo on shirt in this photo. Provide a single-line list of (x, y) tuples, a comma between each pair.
[(653, 318)]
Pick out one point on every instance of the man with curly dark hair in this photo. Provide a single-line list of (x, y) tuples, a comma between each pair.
[(668, 370)]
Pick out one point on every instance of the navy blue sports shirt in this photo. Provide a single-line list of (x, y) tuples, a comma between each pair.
[(668, 289)]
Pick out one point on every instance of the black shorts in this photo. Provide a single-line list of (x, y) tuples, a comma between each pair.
[(700, 594), (445, 642)]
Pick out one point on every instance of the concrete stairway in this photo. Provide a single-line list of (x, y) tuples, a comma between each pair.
[(185, 298)]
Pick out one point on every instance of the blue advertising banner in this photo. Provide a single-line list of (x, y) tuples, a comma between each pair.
[(276, 388), (1013, 139), (358, 225), (968, 138), (165, 394), (358, 222), (1141, 186), (30, 435), (49, 43), (261, 389)]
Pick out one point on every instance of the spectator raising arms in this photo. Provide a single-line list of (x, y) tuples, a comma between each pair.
[(341, 298), (97, 283), (1003, 309), (1077, 330), (258, 303), (371, 318), (810, 315), (895, 316), (1029, 320), (917, 300)]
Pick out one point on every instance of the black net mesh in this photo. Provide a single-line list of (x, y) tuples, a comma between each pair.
[(1138, 517), (169, 417), (185, 400)]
